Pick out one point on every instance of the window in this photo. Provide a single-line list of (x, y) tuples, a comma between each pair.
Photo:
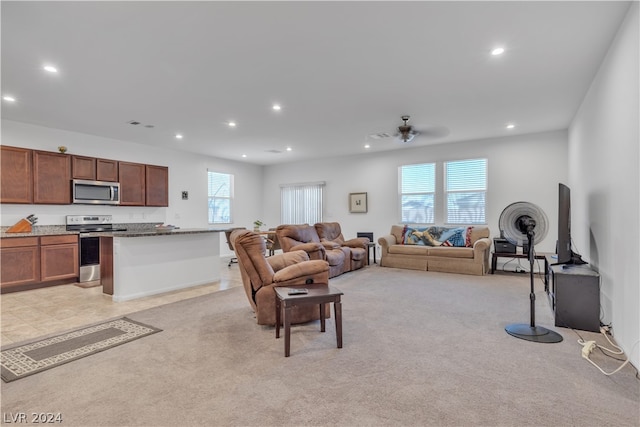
[(301, 203), (417, 193), (465, 189), (220, 196)]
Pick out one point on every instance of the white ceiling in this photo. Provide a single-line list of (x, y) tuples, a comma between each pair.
[(340, 70)]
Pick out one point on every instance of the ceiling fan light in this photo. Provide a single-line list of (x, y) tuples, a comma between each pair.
[(407, 136)]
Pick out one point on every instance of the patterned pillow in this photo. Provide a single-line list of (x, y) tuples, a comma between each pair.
[(458, 237), (437, 236), (423, 236)]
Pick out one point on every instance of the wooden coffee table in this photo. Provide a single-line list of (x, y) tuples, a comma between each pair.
[(318, 293)]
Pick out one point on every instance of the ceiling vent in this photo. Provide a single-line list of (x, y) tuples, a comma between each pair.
[(274, 151), (136, 123), (380, 135)]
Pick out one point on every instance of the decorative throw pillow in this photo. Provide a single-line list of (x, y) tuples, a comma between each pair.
[(457, 237), (423, 236), (437, 236)]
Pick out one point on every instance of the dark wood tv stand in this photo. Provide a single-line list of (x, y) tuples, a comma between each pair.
[(574, 296)]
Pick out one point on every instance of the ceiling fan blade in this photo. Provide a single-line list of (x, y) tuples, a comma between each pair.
[(436, 132)]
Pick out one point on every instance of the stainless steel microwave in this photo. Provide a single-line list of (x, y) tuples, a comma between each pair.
[(86, 192)]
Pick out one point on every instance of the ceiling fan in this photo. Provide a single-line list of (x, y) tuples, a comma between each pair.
[(406, 132)]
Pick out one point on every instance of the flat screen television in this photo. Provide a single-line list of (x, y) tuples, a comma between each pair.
[(563, 246)]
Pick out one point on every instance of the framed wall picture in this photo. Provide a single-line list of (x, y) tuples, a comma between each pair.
[(358, 202)]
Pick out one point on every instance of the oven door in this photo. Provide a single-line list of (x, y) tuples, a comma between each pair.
[(89, 258)]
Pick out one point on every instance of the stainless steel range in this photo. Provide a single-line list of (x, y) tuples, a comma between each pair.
[(87, 226)]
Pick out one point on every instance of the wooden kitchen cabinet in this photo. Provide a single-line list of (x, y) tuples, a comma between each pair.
[(107, 170), (16, 177), (32, 262), (51, 178), (83, 167), (59, 257), (132, 184), (157, 178), (19, 262)]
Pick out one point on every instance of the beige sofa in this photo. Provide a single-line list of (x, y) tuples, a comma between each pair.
[(473, 259)]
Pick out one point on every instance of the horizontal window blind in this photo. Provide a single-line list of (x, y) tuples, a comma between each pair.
[(465, 188), (220, 194), (417, 193)]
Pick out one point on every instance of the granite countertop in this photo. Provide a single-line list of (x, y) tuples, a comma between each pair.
[(153, 232), (37, 231), (133, 230)]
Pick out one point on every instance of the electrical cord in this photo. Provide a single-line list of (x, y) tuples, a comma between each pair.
[(588, 346)]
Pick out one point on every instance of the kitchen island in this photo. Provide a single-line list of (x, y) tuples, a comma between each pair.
[(140, 263)]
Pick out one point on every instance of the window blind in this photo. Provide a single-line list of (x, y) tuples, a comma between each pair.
[(417, 193), (220, 194), (465, 188), (301, 203)]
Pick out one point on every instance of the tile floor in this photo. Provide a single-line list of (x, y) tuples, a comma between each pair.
[(31, 314)]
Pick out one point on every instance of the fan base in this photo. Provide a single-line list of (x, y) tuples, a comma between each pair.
[(533, 333)]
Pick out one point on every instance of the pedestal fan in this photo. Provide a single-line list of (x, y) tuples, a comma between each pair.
[(524, 223)]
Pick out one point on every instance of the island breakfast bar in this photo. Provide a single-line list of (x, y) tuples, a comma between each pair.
[(142, 263)]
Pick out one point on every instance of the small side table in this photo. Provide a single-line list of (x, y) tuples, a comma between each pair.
[(318, 293), (369, 246), (543, 256)]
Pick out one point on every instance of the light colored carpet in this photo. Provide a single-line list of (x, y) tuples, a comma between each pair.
[(420, 348)]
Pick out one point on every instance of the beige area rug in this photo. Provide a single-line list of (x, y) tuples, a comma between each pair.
[(29, 359), (420, 349)]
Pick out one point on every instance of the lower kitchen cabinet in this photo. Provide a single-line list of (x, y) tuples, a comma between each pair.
[(26, 262), (19, 262), (59, 257)]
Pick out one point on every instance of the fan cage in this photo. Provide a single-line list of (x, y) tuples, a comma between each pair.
[(508, 223)]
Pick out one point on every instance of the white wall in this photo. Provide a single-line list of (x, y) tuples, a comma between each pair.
[(187, 172), (603, 165), (521, 168)]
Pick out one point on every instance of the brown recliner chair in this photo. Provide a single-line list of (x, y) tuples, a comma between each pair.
[(356, 249), (305, 237), (261, 274), (227, 233)]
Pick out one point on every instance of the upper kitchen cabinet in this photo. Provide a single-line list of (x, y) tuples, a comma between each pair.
[(51, 178), (94, 169), (157, 178), (16, 177), (132, 184), (106, 170), (83, 167)]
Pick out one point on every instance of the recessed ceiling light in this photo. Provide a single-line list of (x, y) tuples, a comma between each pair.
[(276, 107), (244, 155), (289, 148), (510, 126), (179, 136), (497, 51), (9, 98), (50, 68), (232, 124), (367, 146)]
